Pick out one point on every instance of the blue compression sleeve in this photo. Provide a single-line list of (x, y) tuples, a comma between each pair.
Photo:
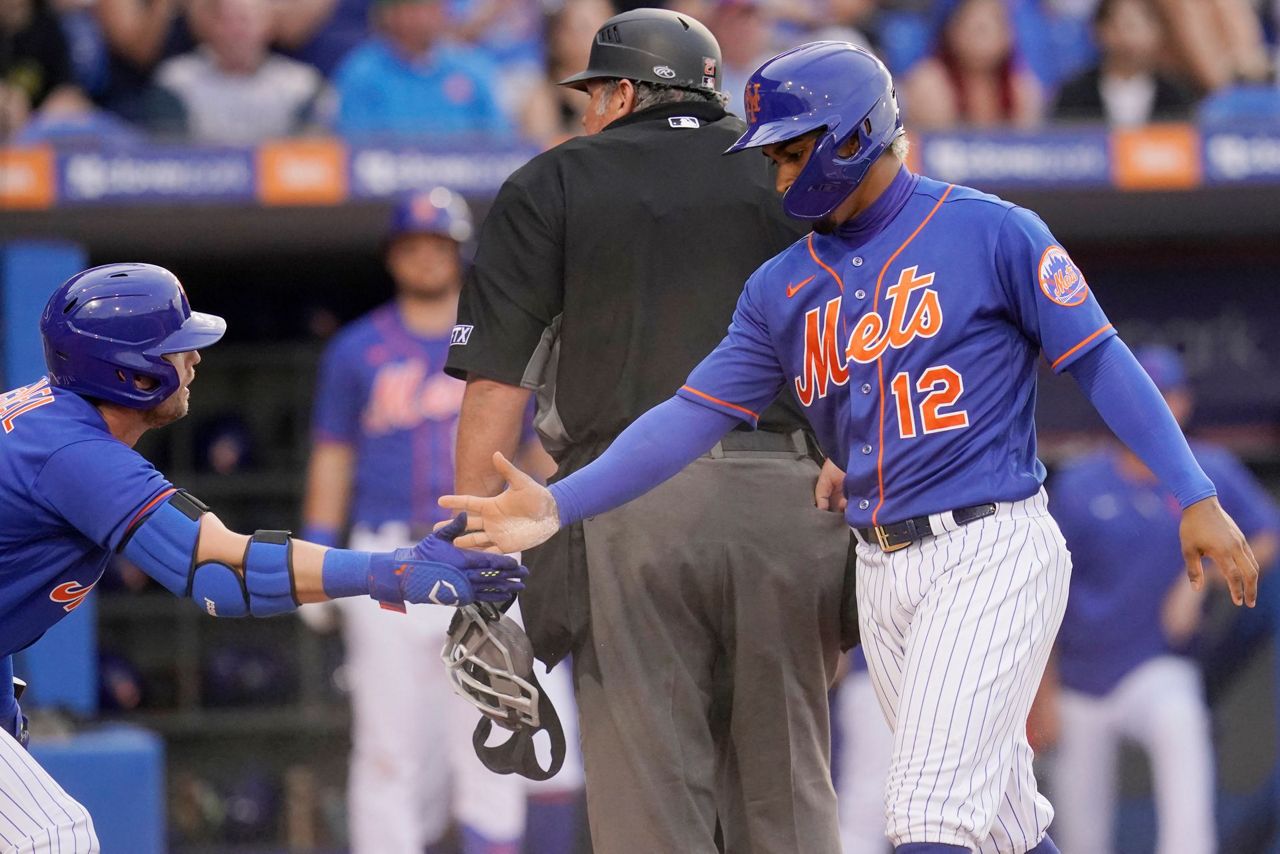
[(345, 573), (1130, 403), (654, 448)]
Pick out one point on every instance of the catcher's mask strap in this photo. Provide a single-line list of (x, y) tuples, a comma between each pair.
[(517, 754)]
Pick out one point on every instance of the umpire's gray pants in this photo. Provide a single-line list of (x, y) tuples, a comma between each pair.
[(702, 689)]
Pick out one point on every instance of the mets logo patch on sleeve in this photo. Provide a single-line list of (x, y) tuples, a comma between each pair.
[(1060, 279)]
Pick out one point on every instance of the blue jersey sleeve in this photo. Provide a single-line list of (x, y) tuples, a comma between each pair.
[(1051, 301), (742, 375), (1132, 407), (99, 486), (654, 448), (339, 401)]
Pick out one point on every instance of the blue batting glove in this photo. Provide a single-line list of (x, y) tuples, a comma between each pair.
[(435, 571), (494, 578)]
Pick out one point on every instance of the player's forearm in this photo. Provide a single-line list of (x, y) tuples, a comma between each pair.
[(1129, 402), (193, 554), (653, 449), (220, 544), (490, 420), (329, 478)]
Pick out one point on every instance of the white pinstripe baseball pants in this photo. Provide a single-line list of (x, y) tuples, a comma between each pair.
[(957, 630), (37, 816)]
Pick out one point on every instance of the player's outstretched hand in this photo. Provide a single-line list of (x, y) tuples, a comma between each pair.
[(523, 516), (1207, 531)]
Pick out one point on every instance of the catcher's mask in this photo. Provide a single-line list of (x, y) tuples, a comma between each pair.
[(489, 661)]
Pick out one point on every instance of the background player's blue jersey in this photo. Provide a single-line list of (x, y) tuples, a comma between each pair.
[(68, 492), (1125, 554), (911, 346), (383, 391)]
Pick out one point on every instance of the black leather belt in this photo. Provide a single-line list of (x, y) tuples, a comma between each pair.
[(902, 534), (762, 440)]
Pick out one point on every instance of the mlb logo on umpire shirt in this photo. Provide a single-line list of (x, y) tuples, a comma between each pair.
[(684, 122), (460, 335)]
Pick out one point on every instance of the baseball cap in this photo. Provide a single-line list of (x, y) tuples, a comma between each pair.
[(1163, 365), (436, 211)]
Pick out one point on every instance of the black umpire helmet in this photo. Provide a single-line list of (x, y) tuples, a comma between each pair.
[(653, 46)]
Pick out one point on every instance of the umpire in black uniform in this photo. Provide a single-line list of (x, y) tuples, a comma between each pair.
[(704, 618)]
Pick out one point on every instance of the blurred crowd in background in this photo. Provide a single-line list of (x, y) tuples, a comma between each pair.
[(240, 71)]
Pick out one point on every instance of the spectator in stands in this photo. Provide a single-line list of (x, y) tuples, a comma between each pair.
[(850, 21), (86, 45), (1218, 43), (139, 34), (744, 29), (405, 79), (35, 68), (319, 32), (974, 77), (552, 113), (1122, 659), (699, 10), (508, 32), (1126, 87), (233, 88)]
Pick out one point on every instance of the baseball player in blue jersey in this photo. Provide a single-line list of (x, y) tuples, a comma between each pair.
[(384, 426), (909, 324), (121, 345), (1122, 659)]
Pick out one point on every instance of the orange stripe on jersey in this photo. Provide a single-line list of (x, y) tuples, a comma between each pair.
[(1067, 354), (152, 503), (717, 400), (879, 359), (809, 242)]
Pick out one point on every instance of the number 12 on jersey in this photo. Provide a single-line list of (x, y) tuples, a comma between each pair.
[(941, 386)]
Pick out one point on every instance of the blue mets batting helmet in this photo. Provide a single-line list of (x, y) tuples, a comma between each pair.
[(109, 325), (833, 86), (437, 211)]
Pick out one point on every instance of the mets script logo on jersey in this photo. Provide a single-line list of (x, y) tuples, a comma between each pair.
[(405, 394), (25, 399), (826, 359), (70, 594), (1060, 279)]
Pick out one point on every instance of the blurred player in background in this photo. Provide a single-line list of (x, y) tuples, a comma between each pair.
[(121, 346), (1122, 665), (385, 420)]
